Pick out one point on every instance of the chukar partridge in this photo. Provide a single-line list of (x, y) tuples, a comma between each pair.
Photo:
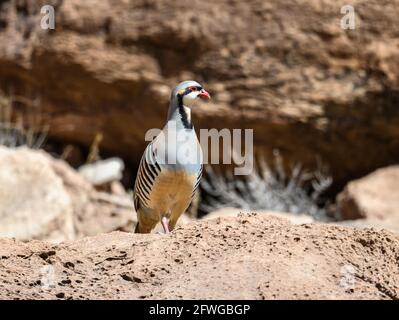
[(170, 169)]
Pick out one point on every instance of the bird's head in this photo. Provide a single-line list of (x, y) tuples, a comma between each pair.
[(189, 92)]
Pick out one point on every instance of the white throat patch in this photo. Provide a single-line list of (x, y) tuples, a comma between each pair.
[(189, 99)]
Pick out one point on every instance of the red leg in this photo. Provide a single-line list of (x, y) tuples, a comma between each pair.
[(165, 224)]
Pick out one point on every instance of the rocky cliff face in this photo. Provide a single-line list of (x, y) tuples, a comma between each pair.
[(284, 68)]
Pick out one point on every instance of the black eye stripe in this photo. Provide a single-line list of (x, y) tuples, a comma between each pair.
[(190, 89)]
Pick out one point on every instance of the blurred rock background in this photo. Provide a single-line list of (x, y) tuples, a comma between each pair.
[(323, 103)]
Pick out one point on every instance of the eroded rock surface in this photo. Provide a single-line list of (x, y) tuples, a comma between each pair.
[(284, 68)]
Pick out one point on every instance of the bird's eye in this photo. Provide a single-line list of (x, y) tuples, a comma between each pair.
[(193, 88)]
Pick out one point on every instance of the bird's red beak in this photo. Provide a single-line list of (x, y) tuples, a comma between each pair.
[(204, 95)]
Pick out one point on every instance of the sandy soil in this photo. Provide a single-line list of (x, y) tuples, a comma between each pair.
[(247, 257)]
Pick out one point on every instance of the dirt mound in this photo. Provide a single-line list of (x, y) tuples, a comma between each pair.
[(250, 256)]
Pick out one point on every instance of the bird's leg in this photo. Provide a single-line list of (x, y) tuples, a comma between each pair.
[(165, 224), (172, 224)]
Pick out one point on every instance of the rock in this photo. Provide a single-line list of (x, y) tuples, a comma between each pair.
[(306, 86), (115, 187), (246, 257), (95, 211), (44, 198), (374, 197), (34, 204), (234, 212), (103, 171)]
